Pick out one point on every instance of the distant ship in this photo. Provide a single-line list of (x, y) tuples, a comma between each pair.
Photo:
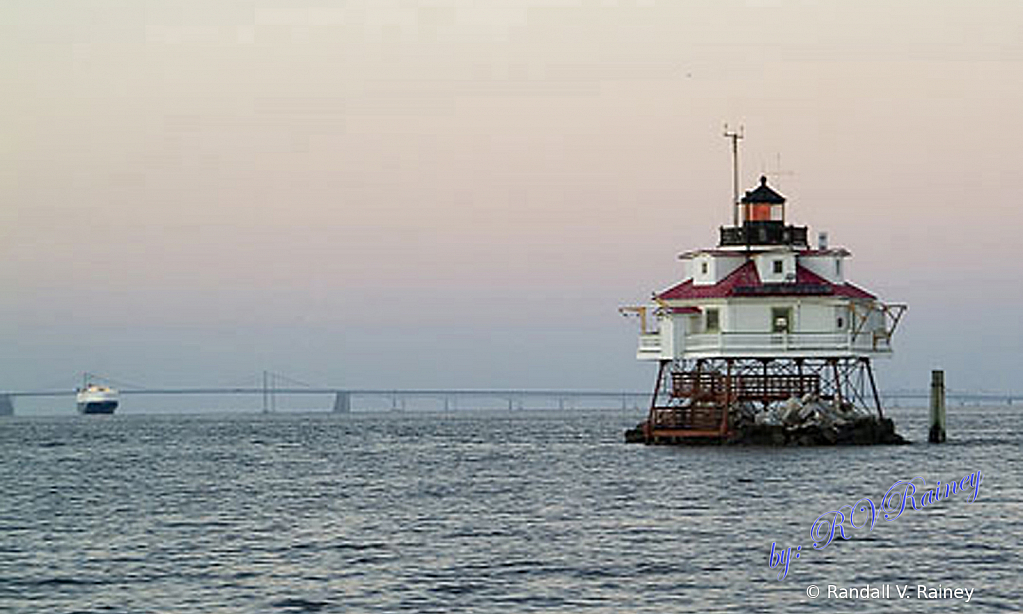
[(94, 399)]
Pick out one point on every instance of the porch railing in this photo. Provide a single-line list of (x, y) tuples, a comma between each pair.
[(768, 342)]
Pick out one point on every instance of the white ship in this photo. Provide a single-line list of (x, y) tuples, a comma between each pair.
[(94, 399)]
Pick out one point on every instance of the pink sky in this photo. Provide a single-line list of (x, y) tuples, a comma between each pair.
[(461, 194)]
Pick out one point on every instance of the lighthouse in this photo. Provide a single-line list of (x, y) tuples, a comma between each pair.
[(763, 330)]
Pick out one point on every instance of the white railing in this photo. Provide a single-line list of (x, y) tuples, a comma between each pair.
[(761, 342), (649, 346), (766, 343), (650, 341)]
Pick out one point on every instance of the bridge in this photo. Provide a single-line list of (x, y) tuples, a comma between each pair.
[(344, 399)]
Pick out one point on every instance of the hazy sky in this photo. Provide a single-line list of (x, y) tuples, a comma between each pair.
[(461, 194)]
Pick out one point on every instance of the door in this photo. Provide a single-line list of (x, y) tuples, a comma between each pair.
[(781, 319)]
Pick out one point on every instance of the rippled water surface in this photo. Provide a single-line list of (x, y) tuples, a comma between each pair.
[(470, 512)]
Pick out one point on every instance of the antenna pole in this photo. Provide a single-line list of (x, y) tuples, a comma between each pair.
[(735, 137)]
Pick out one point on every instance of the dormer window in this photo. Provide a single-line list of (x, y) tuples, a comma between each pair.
[(779, 267), (703, 267), (838, 268)]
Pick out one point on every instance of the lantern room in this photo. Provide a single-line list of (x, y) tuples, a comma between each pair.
[(762, 222), (763, 204)]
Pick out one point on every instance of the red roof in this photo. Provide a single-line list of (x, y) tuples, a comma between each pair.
[(834, 251), (684, 309), (744, 281), (847, 289)]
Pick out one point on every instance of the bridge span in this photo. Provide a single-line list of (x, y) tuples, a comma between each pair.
[(346, 400)]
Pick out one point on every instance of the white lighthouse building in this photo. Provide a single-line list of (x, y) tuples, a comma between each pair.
[(759, 320)]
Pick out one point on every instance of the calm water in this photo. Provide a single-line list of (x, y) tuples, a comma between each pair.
[(463, 512)]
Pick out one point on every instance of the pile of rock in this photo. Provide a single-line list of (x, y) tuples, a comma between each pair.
[(809, 421)]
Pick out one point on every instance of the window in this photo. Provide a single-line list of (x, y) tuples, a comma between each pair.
[(779, 267), (840, 322), (703, 268), (781, 319), (838, 268), (712, 324)]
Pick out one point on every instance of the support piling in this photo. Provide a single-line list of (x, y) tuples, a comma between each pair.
[(937, 434)]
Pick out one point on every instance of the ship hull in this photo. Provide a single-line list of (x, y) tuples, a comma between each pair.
[(97, 407)]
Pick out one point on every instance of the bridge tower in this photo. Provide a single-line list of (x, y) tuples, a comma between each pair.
[(342, 402)]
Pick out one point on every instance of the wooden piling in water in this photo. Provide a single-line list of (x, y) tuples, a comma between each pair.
[(937, 434)]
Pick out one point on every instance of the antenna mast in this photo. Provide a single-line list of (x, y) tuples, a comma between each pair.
[(779, 172), (735, 137)]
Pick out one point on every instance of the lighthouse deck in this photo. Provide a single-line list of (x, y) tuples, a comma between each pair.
[(727, 399), (741, 344), (698, 401)]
